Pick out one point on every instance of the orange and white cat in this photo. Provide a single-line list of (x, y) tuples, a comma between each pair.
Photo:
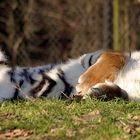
[(99, 74), (113, 75)]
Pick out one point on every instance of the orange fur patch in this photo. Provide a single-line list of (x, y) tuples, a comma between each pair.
[(106, 68)]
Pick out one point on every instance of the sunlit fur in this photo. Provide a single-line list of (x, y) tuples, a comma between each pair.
[(129, 77), (106, 67), (54, 80), (120, 69)]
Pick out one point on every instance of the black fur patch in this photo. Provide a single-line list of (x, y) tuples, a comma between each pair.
[(12, 76), (28, 77), (41, 71), (38, 88), (51, 82), (68, 88), (17, 90), (90, 61), (32, 81)]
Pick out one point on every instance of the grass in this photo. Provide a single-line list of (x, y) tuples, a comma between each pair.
[(56, 119)]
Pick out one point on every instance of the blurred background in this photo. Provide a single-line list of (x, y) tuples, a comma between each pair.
[(35, 32)]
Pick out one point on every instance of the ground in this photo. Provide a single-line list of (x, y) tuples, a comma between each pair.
[(57, 119)]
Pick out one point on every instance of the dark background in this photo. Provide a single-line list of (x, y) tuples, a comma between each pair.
[(36, 32)]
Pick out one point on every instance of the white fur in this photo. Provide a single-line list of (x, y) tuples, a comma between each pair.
[(129, 78), (72, 70), (2, 56)]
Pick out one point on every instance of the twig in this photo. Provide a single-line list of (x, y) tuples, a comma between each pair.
[(25, 95), (70, 98)]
